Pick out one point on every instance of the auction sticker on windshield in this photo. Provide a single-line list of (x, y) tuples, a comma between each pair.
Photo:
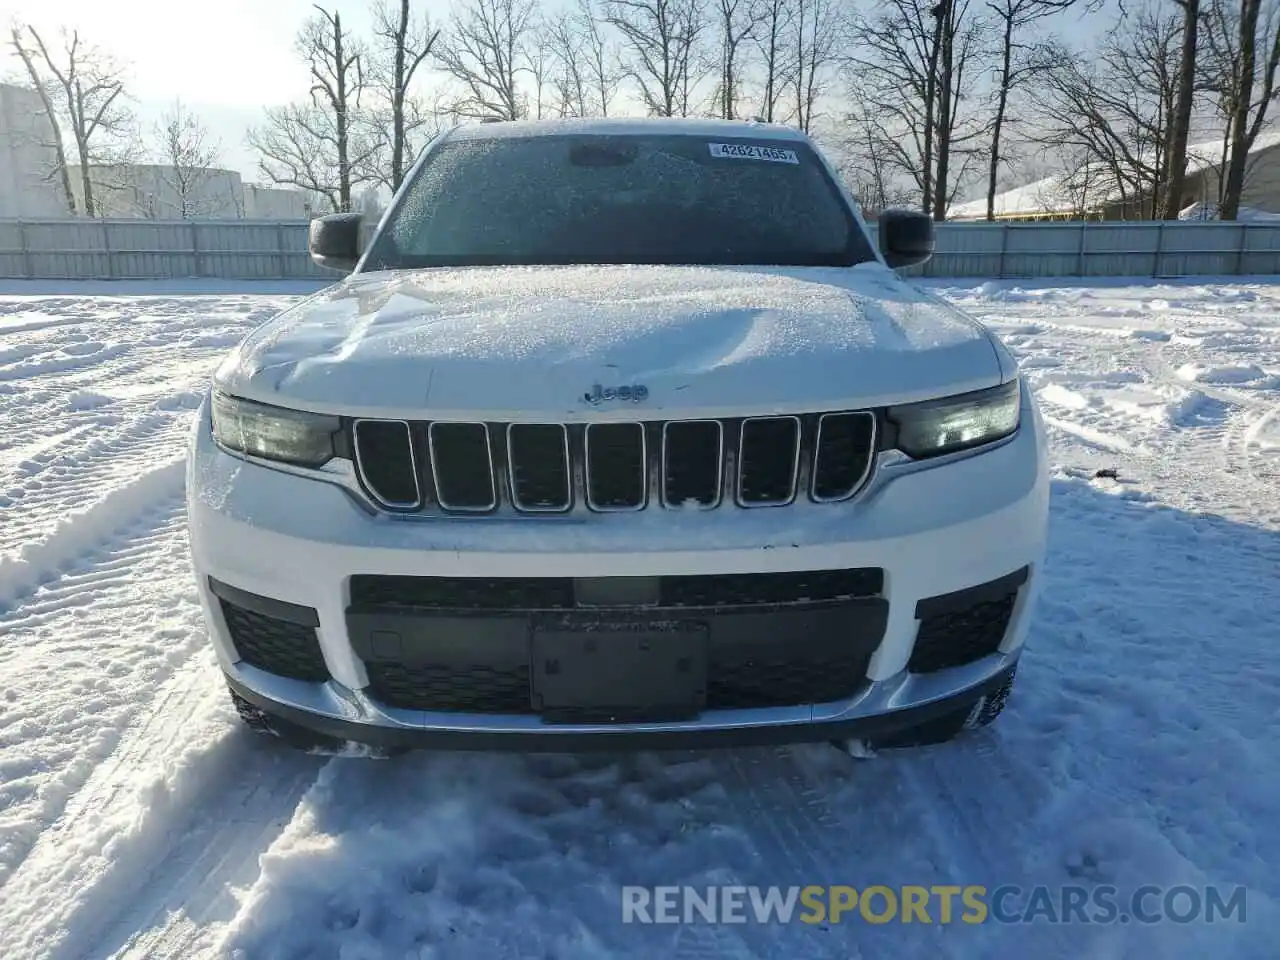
[(753, 151)]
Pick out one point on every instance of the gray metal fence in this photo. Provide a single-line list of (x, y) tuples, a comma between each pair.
[(81, 249), (269, 250)]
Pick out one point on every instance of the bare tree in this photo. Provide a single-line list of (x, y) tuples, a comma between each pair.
[(601, 58), (187, 151), (662, 38), (540, 61), (584, 70), (773, 19), (1019, 62), (568, 73), (56, 144), (813, 34), (1180, 121), (83, 89), (403, 44), (737, 20), (484, 50), (1075, 190), (1240, 70), (871, 177), (913, 73), (1115, 108), (320, 145)]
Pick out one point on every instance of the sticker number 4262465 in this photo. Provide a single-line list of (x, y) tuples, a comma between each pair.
[(753, 151)]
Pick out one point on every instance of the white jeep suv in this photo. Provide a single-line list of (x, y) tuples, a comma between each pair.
[(618, 431)]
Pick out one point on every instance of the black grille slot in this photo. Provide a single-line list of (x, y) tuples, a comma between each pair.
[(783, 680), (462, 466), (277, 646), (768, 458), (469, 689), (748, 589), (964, 626), (692, 458), (616, 478), (370, 592), (384, 454), (539, 461), (842, 460)]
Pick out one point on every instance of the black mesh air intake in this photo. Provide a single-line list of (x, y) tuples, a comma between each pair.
[(282, 647), (961, 627)]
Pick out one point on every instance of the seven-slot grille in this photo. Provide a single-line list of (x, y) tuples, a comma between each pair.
[(477, 467)]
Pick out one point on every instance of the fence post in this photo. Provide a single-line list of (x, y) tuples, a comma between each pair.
[(27, 270), (281, 252), (1084, 226), (1004, 245), (106, 246), (195, 248), (1155, 267), (1241, 247)]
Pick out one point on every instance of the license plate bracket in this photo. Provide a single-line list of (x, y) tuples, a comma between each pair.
[(619, 672)]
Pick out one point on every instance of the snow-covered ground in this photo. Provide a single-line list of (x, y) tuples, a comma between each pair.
[(1142, 745)]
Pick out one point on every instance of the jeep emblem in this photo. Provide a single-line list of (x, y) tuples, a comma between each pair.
[(598, 394)]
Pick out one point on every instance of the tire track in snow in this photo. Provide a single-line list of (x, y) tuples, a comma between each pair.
[(80, 654), (145, 859), (40, 561), (43, 490)]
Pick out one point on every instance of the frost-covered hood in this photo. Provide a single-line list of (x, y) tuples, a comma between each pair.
[(518, 341)]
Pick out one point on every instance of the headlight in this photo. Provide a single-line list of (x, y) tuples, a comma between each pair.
[(273, 433), (954, 423)]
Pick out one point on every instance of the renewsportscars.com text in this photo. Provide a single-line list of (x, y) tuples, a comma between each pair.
[(939, 903)]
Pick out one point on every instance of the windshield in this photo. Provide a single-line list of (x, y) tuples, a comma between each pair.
[(585, 199)]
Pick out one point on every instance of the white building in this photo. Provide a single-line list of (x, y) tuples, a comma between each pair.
[(28, 161), (276, 203), (158, 192), (1092, 192)]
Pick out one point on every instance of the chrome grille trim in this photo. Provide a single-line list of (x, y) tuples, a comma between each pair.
[(568, 459), (435, 472), (795, 463), (662, 479), (364, 478), (644, 468), (568, 470), (817, 452)]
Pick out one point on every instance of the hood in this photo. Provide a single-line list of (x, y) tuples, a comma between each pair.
[(516, 342)]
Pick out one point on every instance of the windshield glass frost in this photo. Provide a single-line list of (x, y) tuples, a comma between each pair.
[(620, 199)]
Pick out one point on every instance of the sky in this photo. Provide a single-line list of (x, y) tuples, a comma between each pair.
[(228, 60)]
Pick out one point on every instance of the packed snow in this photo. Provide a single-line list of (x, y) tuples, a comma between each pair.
[(1141, 745)]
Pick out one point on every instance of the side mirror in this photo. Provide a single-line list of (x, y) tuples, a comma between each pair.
[(906, 237), (334, 241)]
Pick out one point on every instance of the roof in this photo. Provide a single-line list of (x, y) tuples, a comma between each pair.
[(1051, 195), (136, 168), (624, 126)]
